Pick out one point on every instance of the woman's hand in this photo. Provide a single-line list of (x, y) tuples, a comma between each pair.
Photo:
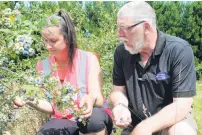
[(87, 101), (19, 102)]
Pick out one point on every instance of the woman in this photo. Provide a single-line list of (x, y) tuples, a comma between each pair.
[(78, 67)]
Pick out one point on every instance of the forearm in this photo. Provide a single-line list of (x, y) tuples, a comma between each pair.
[(98, 100), (95, 82), (168, 116), (118, 97), (41, 105)]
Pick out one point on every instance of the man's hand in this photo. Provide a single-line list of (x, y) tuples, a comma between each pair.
[(19, 102), (122, 116), (88, 102)]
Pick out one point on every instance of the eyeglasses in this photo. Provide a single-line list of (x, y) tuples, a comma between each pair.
[(125, 28)]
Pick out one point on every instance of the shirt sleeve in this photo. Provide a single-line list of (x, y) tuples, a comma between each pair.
[(118, 74), (183, 74)]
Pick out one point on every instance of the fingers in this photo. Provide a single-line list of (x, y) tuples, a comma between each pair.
[(87, 109), (19, 102), (123, 122), (122, 116), (82, 102), (128, 120), (87, 103), (15, 106), (86, 113)]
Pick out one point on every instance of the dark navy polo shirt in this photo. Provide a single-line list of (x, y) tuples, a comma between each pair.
[(169, 73)]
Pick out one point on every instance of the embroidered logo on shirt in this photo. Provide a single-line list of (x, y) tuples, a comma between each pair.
[(162, 76)]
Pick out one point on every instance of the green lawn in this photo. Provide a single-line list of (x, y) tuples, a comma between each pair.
[(198, 107)]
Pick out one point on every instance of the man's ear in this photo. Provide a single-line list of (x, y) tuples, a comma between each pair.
[(147, 28)]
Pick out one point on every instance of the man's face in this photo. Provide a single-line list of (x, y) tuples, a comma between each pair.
[(132, 37)]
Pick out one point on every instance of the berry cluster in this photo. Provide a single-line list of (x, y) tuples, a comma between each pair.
[(64, 96), (23, 46)]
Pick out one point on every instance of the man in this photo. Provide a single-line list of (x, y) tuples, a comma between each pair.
[(153, 77)]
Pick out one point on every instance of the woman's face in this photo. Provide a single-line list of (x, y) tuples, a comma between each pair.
[(54, 40)]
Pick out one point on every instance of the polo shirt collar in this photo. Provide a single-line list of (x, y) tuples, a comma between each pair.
[(160, 43)]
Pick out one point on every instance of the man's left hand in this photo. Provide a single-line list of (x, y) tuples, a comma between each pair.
[(88, 102)]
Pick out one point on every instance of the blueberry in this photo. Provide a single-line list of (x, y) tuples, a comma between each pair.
[(21, 39), (38, 82), (25, 53), (34, 72), (69, 90), (48, 95), (5, 60), (2, 92), (5, 65), (23, 90), (114, 129), (26, 46), (2, 89), (77, 119), (1, 76), (87, 33)]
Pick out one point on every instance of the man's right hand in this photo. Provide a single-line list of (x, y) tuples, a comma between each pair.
[(19, 102), (122, 116)]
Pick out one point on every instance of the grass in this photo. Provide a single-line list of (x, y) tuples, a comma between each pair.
[(28, 122), (198, 107)]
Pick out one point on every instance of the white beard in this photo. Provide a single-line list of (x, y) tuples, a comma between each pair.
[(136, 46)]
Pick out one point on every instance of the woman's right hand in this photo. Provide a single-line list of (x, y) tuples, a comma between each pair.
[(19, 102)]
